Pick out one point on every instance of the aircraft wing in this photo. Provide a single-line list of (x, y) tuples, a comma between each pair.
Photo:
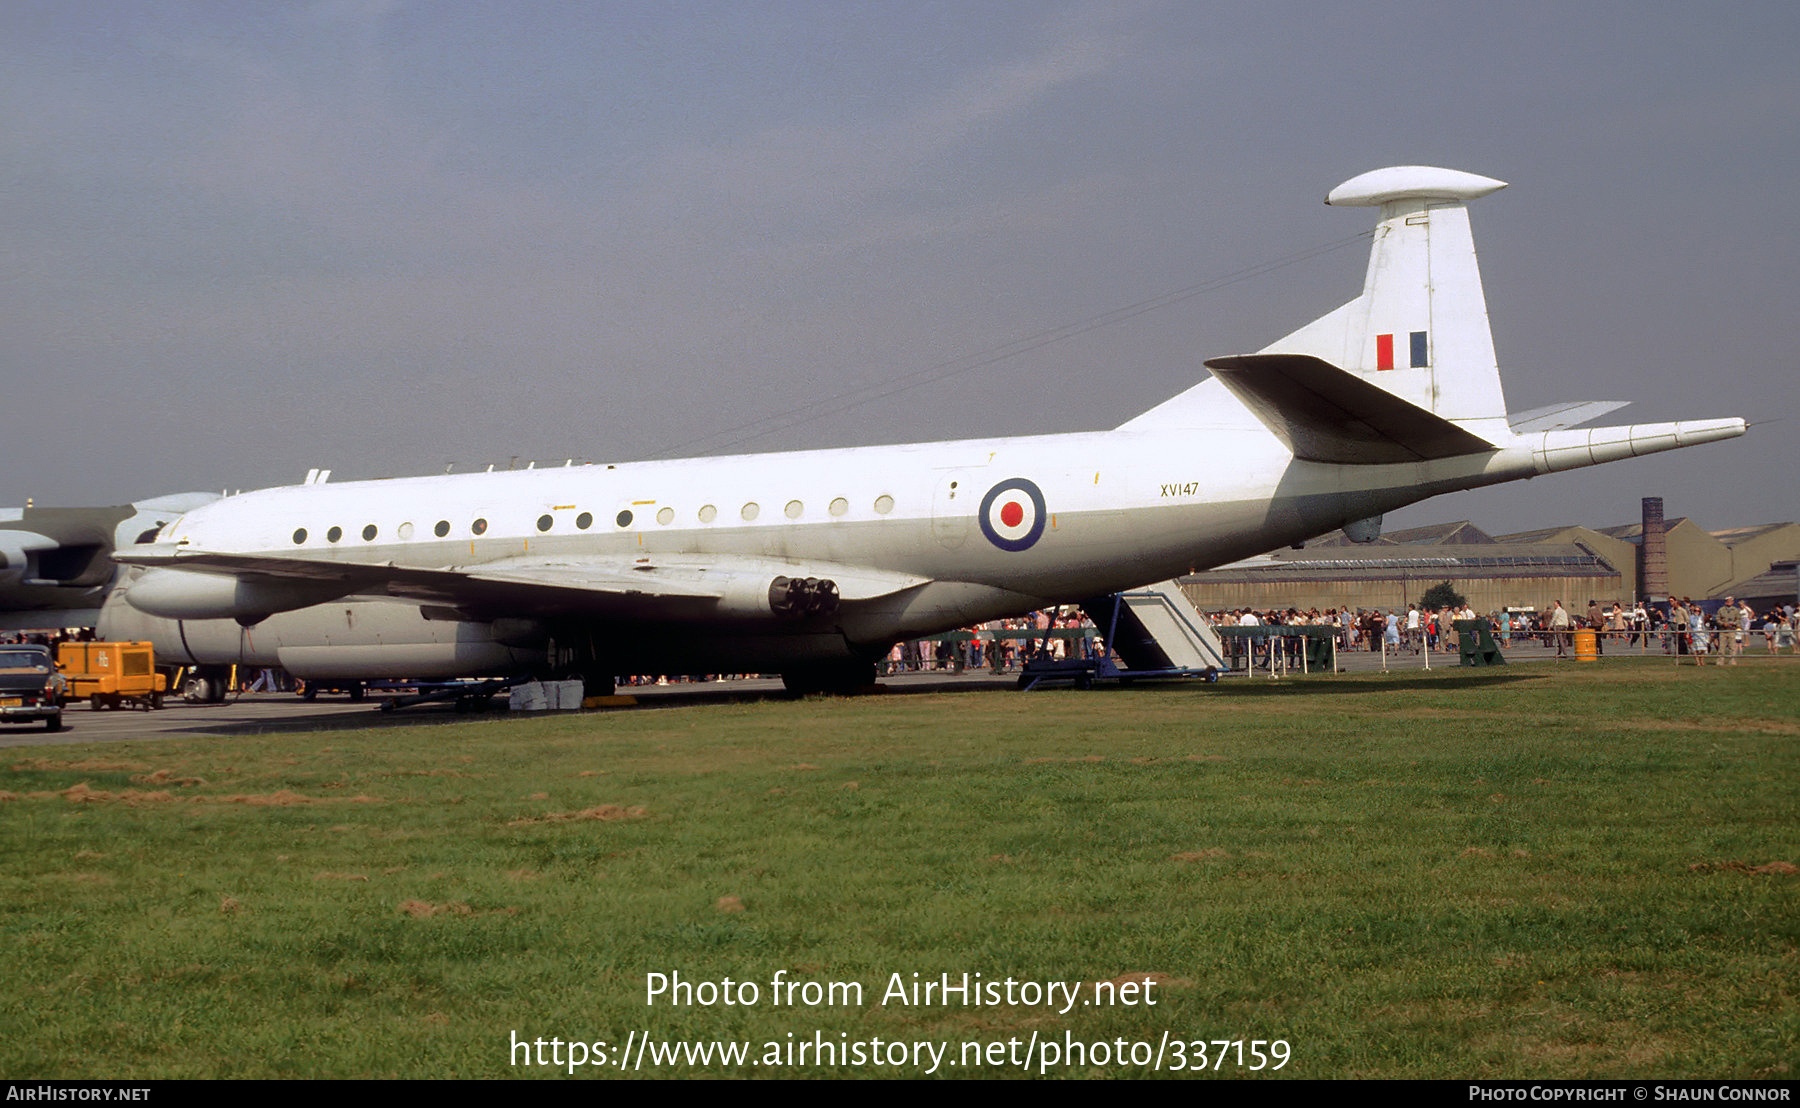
[(644, 587), (697, 587), (1325, 414)]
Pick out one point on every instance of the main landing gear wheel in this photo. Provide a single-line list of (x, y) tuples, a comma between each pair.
[(204, 688)]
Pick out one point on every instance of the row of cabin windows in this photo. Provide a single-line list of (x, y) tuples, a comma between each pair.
[(664, 515)]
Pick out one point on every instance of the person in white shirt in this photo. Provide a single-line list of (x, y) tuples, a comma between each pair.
[(1559, 629)]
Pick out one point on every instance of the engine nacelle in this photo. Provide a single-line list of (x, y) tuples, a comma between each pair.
[(18, 556), (185, 594)]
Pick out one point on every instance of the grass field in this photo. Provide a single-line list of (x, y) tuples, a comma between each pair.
[(1532, 871)]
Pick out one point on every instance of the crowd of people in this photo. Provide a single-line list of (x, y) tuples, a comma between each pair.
[(1680, 627), (1000, 645)]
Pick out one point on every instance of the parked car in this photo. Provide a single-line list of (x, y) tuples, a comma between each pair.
[(31, 687)]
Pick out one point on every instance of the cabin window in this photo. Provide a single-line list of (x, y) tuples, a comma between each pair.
[(584, 521), (442, 528), (623, 519), (884, 504), (839, 506), (334, 534), (544, 522), (479, 527), (749, 511), (794, 508), (708, 513), (405, 531), (299, 536), (369, 533), (665, 516)]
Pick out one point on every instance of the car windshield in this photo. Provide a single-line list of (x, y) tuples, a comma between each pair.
[(28, 660)]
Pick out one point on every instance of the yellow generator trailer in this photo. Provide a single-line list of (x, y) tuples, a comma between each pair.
[(112, 674)]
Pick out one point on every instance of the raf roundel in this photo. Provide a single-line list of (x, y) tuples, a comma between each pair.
[(1012, 514)]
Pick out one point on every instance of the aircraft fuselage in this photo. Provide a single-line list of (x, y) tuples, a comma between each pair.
[(1111, 510)]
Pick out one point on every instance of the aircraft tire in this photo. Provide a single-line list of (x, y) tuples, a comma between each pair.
[(204, 688), (597, 684)]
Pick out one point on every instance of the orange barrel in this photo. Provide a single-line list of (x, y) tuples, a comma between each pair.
[(1587, 646)]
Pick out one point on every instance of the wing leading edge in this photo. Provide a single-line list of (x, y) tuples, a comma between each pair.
[(200, 584)]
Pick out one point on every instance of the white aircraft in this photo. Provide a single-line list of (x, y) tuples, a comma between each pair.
[(56, 563), (813, 563)]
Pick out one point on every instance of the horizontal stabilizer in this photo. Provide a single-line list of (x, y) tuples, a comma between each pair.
[(1325, 414), (1558, 416)]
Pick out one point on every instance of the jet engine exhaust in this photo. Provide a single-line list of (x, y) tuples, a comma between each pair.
[(799, 597)]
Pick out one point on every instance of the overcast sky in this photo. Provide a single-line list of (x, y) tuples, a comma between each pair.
[(383, 237)]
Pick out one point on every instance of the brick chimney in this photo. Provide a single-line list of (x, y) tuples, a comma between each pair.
[(1653, 554)]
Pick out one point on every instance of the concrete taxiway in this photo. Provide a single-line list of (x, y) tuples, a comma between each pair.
[(265, 713)]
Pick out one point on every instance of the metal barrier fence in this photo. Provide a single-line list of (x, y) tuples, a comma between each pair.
[(1280, 648), (1722, 645), (1276, 650)]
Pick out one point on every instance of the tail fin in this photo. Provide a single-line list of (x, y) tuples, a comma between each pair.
[(1420, 328), (1406, 371)]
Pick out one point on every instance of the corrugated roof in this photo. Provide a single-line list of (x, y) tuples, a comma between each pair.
[(1461, 533), (1739, 534), (1489, 560)]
